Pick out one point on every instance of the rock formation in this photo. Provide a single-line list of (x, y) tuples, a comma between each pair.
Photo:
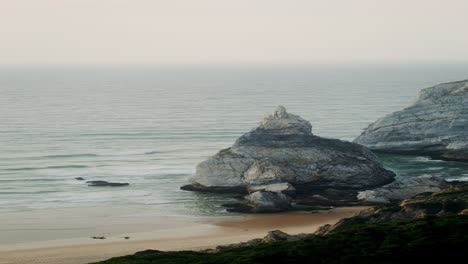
[(106, 184), (268, 202), (272, 236), (404, 189), (450, 201), (435, 125), (282, 155)]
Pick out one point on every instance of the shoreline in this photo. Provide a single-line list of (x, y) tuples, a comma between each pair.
[(187, 236)]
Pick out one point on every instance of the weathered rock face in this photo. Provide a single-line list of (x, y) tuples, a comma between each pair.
[(450, 201), (282, 187), (436, 125), (268, 202), (284, 123), (283, 149), (272, 236), (282, 155), (404, 189)]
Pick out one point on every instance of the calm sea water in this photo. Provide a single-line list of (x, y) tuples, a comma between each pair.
[(150, 126)]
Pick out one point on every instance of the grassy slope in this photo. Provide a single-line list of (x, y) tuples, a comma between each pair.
[(433, 238)]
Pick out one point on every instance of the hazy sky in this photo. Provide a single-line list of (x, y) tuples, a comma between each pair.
[(232, 31)]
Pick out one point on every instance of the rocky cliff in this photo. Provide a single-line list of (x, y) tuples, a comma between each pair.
[(435, 125)]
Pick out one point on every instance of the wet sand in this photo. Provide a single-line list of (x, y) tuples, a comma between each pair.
[(182, 235)]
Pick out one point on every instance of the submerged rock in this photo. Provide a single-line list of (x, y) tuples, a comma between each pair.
[(106, 184), (282, 155), (436, 125)]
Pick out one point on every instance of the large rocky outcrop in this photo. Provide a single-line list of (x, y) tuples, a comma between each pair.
[(436, 125), (282, 155)]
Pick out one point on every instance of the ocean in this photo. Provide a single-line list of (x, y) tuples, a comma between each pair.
[(150, 126)]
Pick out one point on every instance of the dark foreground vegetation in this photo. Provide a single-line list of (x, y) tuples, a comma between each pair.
[(433, 238), (428, 228)]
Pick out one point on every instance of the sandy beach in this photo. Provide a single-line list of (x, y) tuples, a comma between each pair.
[(181, 236)]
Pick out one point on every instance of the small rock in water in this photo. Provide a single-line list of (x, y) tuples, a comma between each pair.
[(127, 237), (80, 178), (106, 183), (99, 237)]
